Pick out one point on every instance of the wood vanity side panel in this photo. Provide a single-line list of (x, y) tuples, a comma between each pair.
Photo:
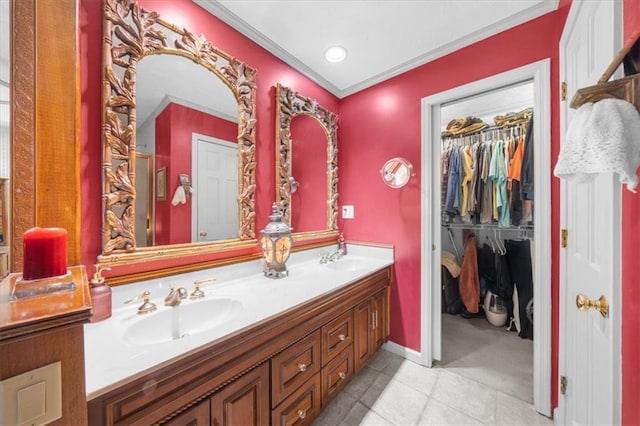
[(186, 381), (65, 344)]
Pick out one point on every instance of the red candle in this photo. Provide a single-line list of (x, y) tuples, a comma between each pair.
[(45, 253)]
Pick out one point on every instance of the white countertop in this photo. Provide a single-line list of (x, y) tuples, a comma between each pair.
[(111, 359)]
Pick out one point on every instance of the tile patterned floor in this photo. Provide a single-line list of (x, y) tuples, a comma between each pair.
[(391, 390)]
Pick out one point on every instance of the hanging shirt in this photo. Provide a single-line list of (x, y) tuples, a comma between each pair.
[(487, 186), (467, 164), (451, 205), (498, 174)]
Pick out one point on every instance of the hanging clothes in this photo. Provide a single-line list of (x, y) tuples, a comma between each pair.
[(453, 183), (526, 183), (498, 174), (467, 166), (520, 269), (469, 281), (514, 175)]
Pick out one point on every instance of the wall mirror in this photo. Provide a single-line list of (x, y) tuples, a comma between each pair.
[(396, 172), (173, 102), (297, 139)]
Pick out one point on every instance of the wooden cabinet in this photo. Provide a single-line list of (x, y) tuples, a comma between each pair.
[(301, 407), (337, 335), (371, 327), (198, 415), (244, 401), (294, 366), (337, 374), (281, 371)]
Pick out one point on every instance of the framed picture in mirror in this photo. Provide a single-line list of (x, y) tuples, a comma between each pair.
[(161, 184)]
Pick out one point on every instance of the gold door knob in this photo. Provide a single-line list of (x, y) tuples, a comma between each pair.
[(302, 367), (342, 337), (601, 305)]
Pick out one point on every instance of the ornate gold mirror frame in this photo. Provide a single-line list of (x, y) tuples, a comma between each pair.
[(132, 33), (290, 105)]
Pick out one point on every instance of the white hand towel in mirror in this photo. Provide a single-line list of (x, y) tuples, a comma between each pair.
[(179, 197), (602, 137)]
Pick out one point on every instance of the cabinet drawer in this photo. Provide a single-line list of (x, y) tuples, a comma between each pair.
[(301, 407), (337, 374), (294, 366), (337, 335)]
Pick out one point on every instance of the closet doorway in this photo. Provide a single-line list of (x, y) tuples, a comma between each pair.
[(435, 237)]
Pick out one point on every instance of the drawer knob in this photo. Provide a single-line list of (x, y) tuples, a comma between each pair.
[(342, 337), (342, 375), (302, 367), (302, 414)]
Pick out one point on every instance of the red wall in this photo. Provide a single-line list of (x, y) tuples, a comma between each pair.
[(270, 71), (630, 272), (388, 117), (174, 128)]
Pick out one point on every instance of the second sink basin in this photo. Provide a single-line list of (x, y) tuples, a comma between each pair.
[(181, 321), (348, 264)]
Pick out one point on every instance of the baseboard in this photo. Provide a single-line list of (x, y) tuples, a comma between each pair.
[(404, 352)]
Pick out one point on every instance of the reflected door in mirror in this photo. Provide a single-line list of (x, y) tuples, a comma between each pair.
[(214, 189), (309, 168)]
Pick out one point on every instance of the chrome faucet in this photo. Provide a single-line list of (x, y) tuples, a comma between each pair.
[(330, 257), (175, 296)]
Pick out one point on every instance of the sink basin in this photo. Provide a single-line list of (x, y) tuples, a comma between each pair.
[(348, 264), (181, 321)]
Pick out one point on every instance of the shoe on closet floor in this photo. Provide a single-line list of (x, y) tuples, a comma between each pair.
[(468, 315)]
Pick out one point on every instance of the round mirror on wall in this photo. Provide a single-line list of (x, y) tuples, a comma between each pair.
[(396, 172)]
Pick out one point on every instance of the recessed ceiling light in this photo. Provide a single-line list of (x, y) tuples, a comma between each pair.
[(335, 54)]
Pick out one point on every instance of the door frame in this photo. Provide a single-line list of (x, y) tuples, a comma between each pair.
[(195, 137), (430, 338), (616, 297)]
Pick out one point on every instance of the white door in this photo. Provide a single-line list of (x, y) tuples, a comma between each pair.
[(215, 186), (144, 201), (590, 263)]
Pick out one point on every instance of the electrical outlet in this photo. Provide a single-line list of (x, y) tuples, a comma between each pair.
[(347, 212)]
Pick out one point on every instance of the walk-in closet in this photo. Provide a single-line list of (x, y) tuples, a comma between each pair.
[(487, 230)]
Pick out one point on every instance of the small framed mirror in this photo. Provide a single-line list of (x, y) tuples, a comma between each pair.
[(397, 172)]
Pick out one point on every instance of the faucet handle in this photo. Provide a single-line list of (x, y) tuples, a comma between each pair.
[(138, 297), (197, 293), (146, 306)]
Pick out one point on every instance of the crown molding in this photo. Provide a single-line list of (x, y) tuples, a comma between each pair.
[(233, 20)]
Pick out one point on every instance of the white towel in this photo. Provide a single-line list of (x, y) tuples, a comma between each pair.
[(180, 196), (602, 137)]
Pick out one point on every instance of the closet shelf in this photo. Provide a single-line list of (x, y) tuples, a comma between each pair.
[(487, 226)]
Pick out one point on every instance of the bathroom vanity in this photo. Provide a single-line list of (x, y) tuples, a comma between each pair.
[(277, 353)]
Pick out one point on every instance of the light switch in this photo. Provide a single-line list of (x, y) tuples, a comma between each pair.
[(31, 402), (32, 398), (347, 212)]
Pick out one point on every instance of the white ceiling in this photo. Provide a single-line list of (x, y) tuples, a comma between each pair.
[(383, 37)]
